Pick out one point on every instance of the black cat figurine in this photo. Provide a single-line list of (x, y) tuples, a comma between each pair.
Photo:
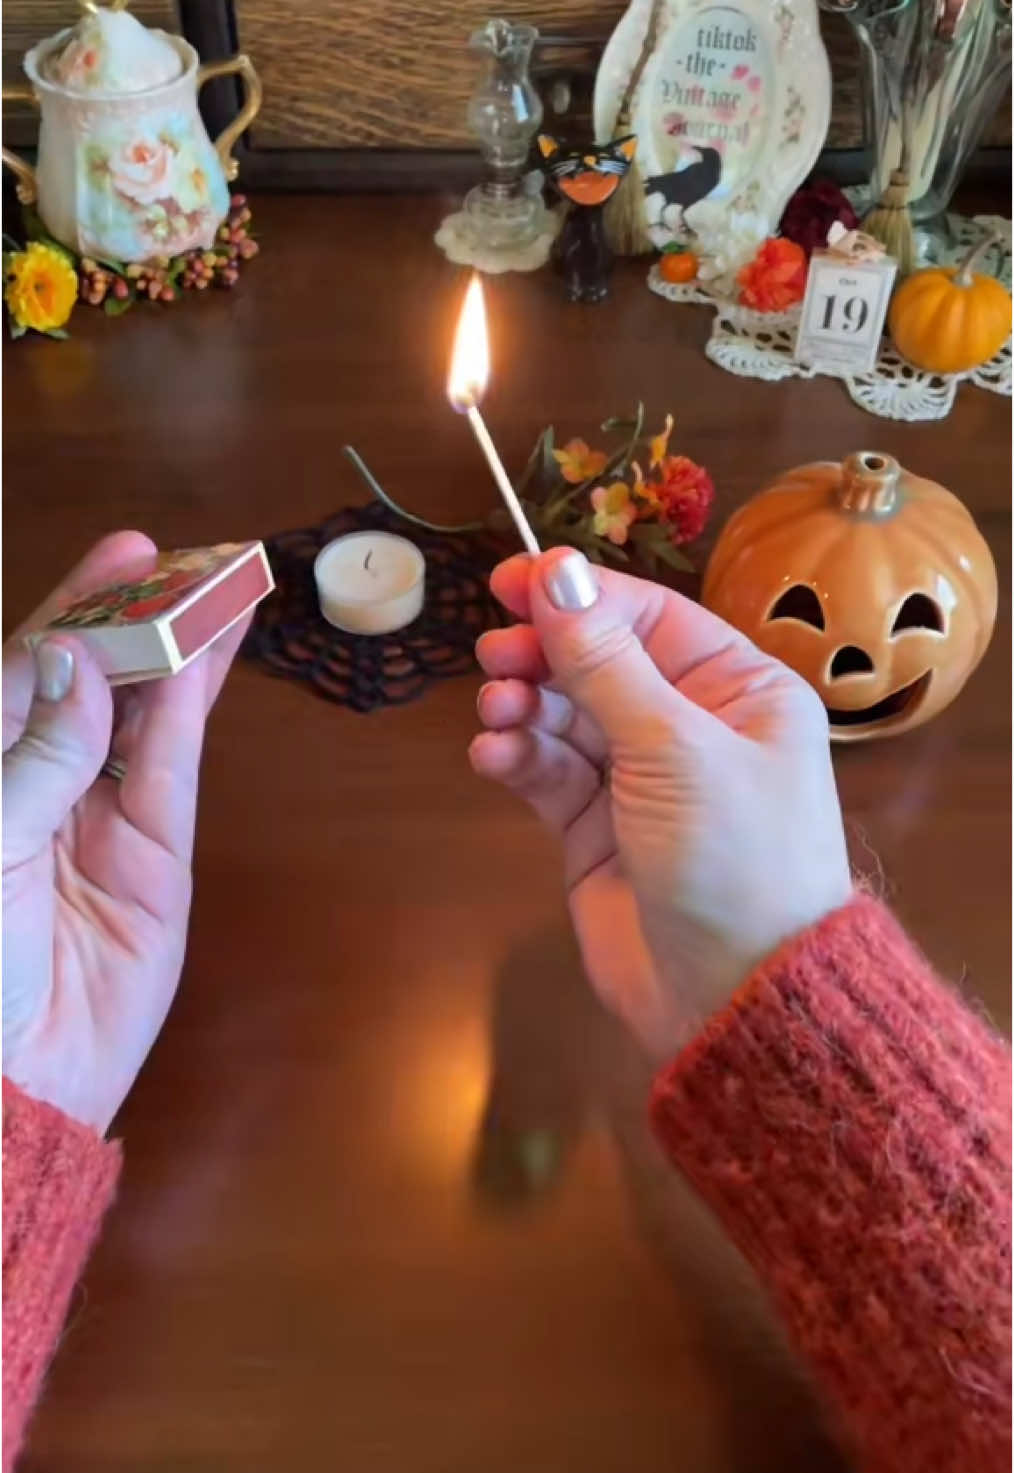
[(586, 178)]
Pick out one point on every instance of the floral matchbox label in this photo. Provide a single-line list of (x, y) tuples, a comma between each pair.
[(155, 622)]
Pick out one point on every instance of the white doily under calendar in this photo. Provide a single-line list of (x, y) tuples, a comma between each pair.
[(761, 344)]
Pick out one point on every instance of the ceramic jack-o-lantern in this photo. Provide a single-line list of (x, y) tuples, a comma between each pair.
[(872, 583)]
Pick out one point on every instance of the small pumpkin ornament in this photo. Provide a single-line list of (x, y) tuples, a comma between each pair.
[(872, 583), (677, 264), (949, 319)]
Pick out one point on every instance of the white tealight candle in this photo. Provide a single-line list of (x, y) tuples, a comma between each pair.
[(370, 582)]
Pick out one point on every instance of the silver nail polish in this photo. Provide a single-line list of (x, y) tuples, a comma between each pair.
[(571, 584), (55, 671)]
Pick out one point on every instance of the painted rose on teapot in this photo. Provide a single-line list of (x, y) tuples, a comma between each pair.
[(126, 169)]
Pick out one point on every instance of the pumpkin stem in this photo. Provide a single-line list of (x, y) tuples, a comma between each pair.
[(963, 275), (869, 484)]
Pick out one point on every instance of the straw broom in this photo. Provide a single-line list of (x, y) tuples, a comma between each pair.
[(890, 221), (626, 231)]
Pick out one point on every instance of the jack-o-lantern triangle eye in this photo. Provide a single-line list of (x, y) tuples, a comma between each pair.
[(799, 602), (919, 612)]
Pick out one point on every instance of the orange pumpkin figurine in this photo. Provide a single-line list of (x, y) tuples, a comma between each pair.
[(678, 265), (872, 583), (949, 319)]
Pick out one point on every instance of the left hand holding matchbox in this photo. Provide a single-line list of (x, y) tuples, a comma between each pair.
[(156, 621)]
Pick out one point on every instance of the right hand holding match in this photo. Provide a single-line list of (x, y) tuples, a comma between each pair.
[(687, 773)]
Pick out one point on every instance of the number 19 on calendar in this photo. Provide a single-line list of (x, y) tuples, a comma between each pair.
[(843, 312)]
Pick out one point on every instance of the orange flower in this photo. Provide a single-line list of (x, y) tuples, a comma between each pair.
[(660, 443), (775, 278), (614, 511), (577, 463), (685, 494), (644, 493)]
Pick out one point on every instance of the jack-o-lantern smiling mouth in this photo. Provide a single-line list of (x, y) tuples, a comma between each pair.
[(898, 704)]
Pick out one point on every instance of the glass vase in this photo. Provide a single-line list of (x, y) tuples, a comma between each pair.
[(504, 113), (934, 74)]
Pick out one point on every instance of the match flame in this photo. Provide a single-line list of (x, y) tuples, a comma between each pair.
[(466, 382)]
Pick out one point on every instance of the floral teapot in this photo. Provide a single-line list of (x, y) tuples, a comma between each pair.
[(125, 167)]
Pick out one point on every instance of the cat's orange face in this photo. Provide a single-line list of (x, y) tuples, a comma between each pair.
[(588, 188), (587, 176)]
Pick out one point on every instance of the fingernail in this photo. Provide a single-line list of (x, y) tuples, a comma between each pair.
[(570, 583), (55, 667), (482, 691)]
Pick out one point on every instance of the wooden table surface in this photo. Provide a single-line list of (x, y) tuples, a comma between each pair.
[(324, 1254)]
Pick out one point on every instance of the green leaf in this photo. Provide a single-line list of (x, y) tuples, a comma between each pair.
[(541, 472), (59, 333), (535, 462), (645, 534), (11, 246), (18, 330), (667, 553), (611, 550), (32, 221), (617, 422), (117, 266), (116, 306)]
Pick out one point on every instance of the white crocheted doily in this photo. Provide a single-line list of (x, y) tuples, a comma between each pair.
[(460, 243), (760, 344)]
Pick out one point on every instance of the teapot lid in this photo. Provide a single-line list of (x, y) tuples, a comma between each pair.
[(109, 50)]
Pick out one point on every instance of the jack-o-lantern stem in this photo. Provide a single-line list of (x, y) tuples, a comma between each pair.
[(869, 484)]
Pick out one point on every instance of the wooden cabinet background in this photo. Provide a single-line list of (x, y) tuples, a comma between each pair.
[(355, 75)]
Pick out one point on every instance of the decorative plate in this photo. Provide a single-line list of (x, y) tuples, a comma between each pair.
[(730, 104)]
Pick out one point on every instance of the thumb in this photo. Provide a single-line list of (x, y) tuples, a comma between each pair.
[(591, 631), (61, 749)]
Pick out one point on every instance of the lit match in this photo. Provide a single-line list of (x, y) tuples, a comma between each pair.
[(466, 385)]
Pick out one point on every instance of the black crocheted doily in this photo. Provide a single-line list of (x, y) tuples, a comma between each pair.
[(290, 637)]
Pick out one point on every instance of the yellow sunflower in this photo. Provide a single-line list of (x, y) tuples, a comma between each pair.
[(40, 287)]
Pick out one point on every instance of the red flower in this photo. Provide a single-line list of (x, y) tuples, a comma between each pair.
[(775, 278), (181, 578), (147, 608), (684, 495), (812, 211)]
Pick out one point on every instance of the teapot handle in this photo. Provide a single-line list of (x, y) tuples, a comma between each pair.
[(242, 66), (27, 189)]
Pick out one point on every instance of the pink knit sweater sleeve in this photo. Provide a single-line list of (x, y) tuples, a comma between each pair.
[(848, 1119), (58, 1179)]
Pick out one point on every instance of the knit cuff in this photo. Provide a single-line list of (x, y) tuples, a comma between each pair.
[(58, 1180), (848, 1118)]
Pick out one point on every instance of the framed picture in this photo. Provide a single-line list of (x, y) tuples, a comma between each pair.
[(730, 103)]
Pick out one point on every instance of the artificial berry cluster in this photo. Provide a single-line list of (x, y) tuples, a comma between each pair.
[(163, 277)]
